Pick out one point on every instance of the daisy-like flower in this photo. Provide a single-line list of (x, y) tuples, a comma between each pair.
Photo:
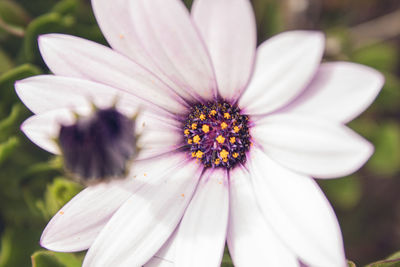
[(231, 136)]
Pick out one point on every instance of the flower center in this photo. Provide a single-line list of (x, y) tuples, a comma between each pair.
[(217, 134), (98, 147)]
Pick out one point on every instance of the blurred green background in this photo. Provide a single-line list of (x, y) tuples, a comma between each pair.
[(32, 186)]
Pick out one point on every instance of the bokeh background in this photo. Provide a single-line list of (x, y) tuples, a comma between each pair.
[(33, 185)]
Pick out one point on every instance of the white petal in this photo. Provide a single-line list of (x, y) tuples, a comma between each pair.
[(156, 136), (202, 231), (340, 91), (44, 129), (251, 240), (47, 92), (76, 57), (284, 66), (119, 32), (78, 223), (229, 31), (146, 220), (123, 38), (167, 33), (165, 257), (311, 145), (298, 212)]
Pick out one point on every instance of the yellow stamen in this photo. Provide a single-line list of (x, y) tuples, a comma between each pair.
[(224, 154), (225, 159), (199, 154), (224, 125), (190, 141), (227, 115), (205, 128), (220, 139), (217, 161), (193, 154), (202, 117), (232, 140), (194, 126), (235, 155), (196, 139), (186, 132), (236, 129), (213, 112)]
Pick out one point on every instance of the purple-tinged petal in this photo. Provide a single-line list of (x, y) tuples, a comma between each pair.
[(145, 221), (285, 64), (251, 240), (64, 55), (340, 91), (229, 30), (297, 211), (311, 145), (201, 234), (168, 34)]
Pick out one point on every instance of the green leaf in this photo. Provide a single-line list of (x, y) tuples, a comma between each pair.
[(65, 7), (17, 244), (5, 62), (382, 56), (12, 13), (345, 192), (226, 260), (57, 194), (351, 264), (47, 23), (391, 261), (7, 148), (55, 259), (386, 158), (10, 124)]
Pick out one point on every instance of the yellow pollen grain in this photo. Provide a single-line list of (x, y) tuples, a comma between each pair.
[(205, 128), (121, 36), (182, 195), (224, 125), (194, 126), (217, 161), (202, 117), (186, 132), (224, 154), (193, 154), (196, 139), (61, 212), (144, 174), (235, 155), (236, 129), (232, 140), (190, 141), (220, 139), (213, 112), (225, 159), (227, 115), (199, 154)]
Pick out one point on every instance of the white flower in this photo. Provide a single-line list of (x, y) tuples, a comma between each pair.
[(266, 205)]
